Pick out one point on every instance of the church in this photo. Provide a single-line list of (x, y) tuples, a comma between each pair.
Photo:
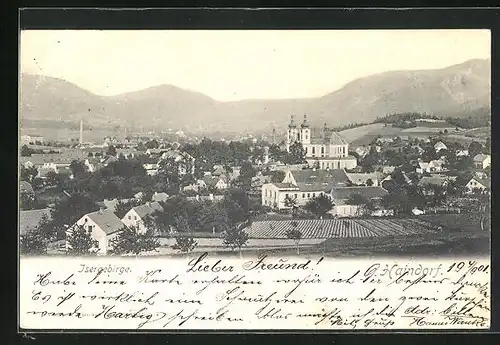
[(324, 150)]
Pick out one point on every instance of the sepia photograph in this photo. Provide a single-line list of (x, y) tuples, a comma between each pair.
[(339, 143), (254, 179)]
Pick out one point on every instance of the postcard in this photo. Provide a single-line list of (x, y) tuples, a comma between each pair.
[(254, 180)]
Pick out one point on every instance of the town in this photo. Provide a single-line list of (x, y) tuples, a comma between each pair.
[(297, 189)]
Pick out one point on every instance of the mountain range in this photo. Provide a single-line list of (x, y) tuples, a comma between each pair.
[(458, 91)]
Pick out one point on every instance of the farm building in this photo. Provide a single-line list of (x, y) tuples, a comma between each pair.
[(366, 179), (344, 207), (482, 161), (476, 183)]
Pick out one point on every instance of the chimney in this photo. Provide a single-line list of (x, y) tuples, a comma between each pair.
[(81, 132)]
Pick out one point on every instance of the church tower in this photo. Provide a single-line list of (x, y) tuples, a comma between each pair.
[(305, 132), (293, 134)]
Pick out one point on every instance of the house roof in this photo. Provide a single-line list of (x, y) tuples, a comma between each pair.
[(65, 157), (484, 181), (332, 138), (25, 187), (362, 178), (480, 157), (111, 204), (439, 144), (319, 180), (147, 209), (319, 176), (30, 219), (286, 186), (433, 180), (367, 192), (159, 196), (106, 220)]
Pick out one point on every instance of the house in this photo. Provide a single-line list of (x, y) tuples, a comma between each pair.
[(159, 197), (198, 185), (462, 153), (29, 220), (126, 153), (151, 168), (418, 149), (92, 164), (440, 146), (217, 182), (31, 139), (478, 184), (482, 161), (363, 179), (111, 204), (136, 215), (388, 169), (302, 185), (218, 170), (259, 180), (430, 167), (202, 198), (26, 187), (340, 197), (103, 225), (362, 151), (385, 140), (108, 160), (429, 183)]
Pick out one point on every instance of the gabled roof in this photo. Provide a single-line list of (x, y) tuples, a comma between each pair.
[(147, 209), (367, 192), (332, 138), (106, 220), (433, 181), (30, 219), (480, 157), (439, 144), (159, 196), (319, 176), (362, 178), (486, 182)]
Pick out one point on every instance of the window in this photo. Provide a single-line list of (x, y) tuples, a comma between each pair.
[(303, 195), (295, 196), (286, 195), (322, 149), (308, 195), (313, 150), (135, 217), (314, 194), (129, 217)]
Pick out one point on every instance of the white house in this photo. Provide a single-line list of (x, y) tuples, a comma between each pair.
[(159, 196), (477, 183), (440, 146), (136, 215), (482, 161), (302, 186), (430, 167), (217, 182), (462, 153), (103, 226), (151, 168)]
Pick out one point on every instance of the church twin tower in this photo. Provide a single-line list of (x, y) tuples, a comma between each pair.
[(302, 134)]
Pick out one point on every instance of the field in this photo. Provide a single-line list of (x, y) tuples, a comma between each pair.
[(343, 228)]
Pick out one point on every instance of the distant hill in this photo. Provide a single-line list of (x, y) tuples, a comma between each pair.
[(457, 91)]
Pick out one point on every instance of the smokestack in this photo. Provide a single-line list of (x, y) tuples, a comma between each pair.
[(81, 132), (274, 136)]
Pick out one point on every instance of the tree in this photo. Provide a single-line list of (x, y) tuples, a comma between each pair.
[(26, 151), (295, 235), (480, 210), (122, 207), (475, 148), (369, 182), (152, 144), (291, 203), (33, 243), (80, 241), (111, 151), (78, 168), (319, 205), (66, 212), (184, 244), (28, 173), (132, 241), (297, 154), (53, 178), (236, 237), (277, 176)]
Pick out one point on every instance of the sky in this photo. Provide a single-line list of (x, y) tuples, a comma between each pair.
[(232, 65)]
